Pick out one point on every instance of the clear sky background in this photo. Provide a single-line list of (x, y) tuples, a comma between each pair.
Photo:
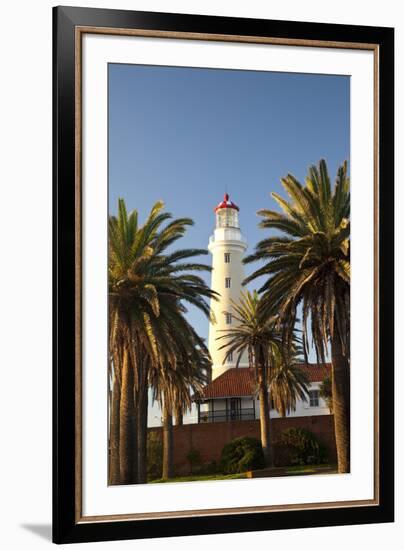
[(185, 136)]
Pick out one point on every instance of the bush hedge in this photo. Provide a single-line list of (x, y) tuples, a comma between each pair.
[(303, 447), (242, 454)]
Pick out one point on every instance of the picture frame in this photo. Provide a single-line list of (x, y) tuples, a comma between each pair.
[(70, 25)]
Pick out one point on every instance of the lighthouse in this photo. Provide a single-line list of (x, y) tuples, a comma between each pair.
[(227, 246), (231, 394)]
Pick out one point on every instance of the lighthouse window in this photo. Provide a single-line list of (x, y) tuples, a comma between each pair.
[(227, 282), (228, 318), (227, 217), (227, 257)]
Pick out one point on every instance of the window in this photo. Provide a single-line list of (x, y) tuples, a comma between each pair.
[(227, 257), (228, 318), (230, 357), (227, 282), (314, 398)]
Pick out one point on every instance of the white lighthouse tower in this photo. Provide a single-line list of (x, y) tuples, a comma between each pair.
[(227, 246)]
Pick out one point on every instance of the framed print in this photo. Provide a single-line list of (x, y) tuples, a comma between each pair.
[(223, 275)]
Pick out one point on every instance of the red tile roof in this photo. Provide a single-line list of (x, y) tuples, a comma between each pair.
[(236, 382), (240, 382), (316, 372)]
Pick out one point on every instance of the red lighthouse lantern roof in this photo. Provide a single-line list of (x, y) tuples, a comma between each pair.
[(226, 203)]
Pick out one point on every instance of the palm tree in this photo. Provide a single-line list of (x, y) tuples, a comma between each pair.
[(114, 382), (258, 336), (183, 361), (308, 264), (148, 288), (180, 375), (288, 382)]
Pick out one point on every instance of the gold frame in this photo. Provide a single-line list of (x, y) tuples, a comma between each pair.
[(79, 32)]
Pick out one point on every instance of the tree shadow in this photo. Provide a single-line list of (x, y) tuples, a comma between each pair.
[(43, 530)]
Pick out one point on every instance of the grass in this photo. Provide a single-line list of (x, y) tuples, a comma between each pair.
[(210, 477), (308, 469), (291, 470)]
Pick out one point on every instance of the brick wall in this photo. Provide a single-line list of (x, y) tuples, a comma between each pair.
[(210, 438)]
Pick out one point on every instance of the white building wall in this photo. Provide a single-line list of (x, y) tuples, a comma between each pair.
[(302, 408)]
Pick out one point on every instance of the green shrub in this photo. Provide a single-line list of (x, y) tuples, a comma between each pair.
[(303, 446), (154, 456), (242, 454)]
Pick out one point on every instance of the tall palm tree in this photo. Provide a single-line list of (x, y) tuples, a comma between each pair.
[(308, 264), (148, 289), (178, 378), (257, 335), (123, 446), (114, 382)]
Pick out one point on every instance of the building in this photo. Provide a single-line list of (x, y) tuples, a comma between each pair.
[(227, 246), (231, 394)]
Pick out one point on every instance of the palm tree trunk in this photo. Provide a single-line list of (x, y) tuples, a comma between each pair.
[(142, 431), (167, 443), (127, 424), (341, 402), (114, 472), (264, 418)]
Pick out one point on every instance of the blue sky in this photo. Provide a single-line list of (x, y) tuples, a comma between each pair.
[(187, 135)]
